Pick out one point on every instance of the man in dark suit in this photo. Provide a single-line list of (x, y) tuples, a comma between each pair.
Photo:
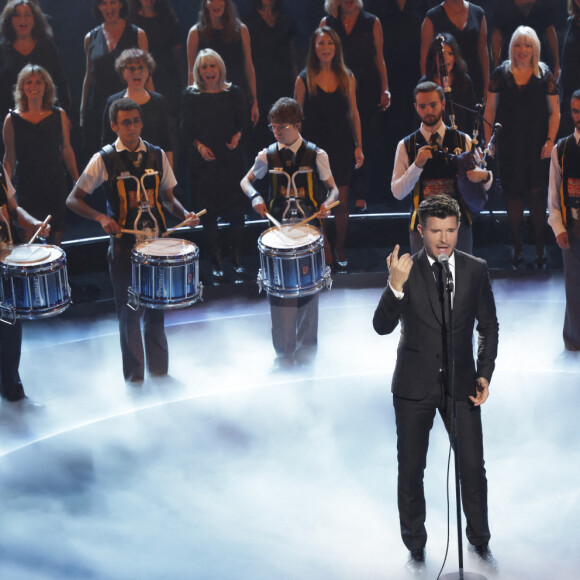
[(412, 297)]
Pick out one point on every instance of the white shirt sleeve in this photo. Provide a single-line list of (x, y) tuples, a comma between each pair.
[(404, 176), (554, 205)]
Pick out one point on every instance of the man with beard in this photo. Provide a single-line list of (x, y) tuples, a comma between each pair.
[(564, 204), (423, 166)]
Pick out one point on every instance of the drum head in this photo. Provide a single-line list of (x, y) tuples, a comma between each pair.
[(165, 247), (289, 236), (29, 255)]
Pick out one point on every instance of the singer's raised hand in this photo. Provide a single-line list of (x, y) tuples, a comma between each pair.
[(399, 268)]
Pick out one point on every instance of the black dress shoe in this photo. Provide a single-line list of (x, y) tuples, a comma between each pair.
[(485, 558), (416, 563)]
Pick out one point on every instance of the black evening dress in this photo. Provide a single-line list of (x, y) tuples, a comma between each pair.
[(39, 176), (327, 124), (104, 81), (272, 58), (164, 39), (213, 119), (523, 113), (569, 79)]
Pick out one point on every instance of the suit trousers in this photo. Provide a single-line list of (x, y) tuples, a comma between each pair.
[(156, 349), (10, 346), (571, 260), (414, 420), (294, 325)]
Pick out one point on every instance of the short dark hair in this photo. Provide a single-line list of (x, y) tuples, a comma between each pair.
[(438, 206), (286, 110), (123, 104), (575, 95), (429, 87)]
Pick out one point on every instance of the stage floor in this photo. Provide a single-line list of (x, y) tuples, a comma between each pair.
[(229, 469)]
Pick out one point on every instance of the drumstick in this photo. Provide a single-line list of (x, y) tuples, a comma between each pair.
[(165, 234), (134, 232), (278, 227), (48, 218), (315, 215)]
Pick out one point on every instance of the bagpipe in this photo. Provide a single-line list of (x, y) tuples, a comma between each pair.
[(474, 194)]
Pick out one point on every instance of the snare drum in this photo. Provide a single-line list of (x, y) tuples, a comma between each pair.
[(165, 274), (292, 261), (34, 282)]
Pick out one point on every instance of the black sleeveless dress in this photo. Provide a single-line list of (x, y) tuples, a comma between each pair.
[(104, 82), (39, 175), (327, 124)]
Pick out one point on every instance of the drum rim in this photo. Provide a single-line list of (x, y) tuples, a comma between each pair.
[(37, 266), (191, 246)]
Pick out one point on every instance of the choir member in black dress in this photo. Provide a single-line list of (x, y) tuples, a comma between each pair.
[(537, 14), (569, 79), (467, 23), (401, 21), (326, 91), (158, 20), (523, 98), (272, 34), (361, 35), (103, 45), (458, 80), (213, 120), (135, 67), (219, 28), (27, 38), (37, 142)]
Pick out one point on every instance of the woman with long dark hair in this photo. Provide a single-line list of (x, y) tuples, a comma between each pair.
[(326, 91), (27, 38), (462, 93)]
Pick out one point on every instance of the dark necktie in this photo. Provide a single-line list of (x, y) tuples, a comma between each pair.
[(437, 270), (287, 156)]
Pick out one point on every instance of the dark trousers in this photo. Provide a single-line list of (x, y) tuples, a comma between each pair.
[(414, 420), (571, 260), (156, 350), (294, 325), (10, 347)]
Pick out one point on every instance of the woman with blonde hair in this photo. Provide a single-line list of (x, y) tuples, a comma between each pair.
[(212, 123), (523, 98), (37, 142), (219, 28), (326, 91)]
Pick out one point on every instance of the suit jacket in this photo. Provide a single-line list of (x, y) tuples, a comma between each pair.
[(420, 350)]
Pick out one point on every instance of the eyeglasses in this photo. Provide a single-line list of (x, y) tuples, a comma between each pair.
[(133, 69), (137, 122), (276, 127)]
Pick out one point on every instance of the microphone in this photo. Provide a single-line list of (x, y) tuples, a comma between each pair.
[(443, 259)]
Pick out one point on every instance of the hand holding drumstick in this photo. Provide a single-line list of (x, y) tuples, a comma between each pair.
[(192, 220)]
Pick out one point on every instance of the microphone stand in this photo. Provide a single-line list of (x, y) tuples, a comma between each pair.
[(449, 386)]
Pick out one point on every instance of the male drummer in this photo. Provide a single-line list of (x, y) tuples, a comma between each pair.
[(130, 155), (294, 320), (11, 334), (422, 169)]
